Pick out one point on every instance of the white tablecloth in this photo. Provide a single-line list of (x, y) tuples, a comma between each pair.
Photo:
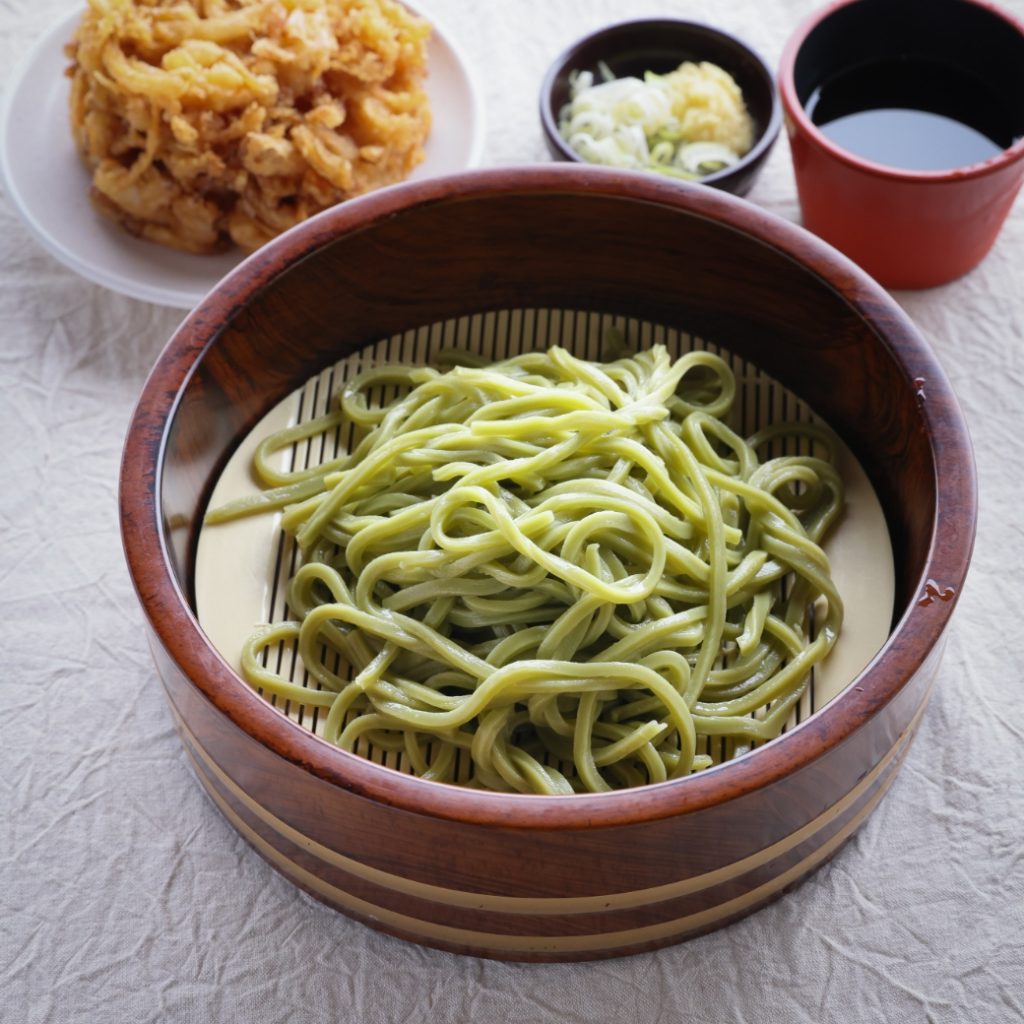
[(124, 896)]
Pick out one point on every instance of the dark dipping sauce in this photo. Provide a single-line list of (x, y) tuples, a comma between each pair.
[(913, 114)]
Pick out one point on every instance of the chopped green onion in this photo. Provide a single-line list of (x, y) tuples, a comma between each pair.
[(644, 124)]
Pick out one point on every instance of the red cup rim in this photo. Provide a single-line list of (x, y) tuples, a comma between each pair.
[(795, 109)]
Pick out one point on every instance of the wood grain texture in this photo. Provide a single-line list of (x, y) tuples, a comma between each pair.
[(600, 241)]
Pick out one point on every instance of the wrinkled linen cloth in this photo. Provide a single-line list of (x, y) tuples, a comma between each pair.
[(124, 896)]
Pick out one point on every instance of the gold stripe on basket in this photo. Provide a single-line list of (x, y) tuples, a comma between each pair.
[(555, 904), (600, 942)]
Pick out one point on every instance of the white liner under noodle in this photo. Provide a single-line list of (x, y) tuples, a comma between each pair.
[(243, 567)]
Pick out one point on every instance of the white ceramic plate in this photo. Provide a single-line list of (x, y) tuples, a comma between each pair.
[(49, 185)]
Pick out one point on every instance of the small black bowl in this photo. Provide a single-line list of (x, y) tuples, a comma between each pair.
[(661, 45)]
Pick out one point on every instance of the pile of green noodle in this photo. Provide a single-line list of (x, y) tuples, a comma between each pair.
[(568, 570)]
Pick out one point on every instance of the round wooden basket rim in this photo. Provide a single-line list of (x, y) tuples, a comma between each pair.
[(912, 640)]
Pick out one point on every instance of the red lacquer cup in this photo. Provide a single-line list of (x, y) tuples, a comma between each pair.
[(908, 229)]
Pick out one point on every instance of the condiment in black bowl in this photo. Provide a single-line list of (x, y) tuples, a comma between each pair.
[(661, 45)]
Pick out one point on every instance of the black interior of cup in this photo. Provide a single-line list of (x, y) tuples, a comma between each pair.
[(661, 45), (982, 46)]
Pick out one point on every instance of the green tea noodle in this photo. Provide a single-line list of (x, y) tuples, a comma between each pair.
[(567, 570)]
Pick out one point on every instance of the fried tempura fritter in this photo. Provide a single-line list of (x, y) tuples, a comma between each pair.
[(208, 123)]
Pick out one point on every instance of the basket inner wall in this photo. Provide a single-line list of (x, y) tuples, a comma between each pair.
[(243, 568), (640, 260)]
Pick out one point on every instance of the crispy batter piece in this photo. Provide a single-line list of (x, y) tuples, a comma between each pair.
[(212, 123)]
